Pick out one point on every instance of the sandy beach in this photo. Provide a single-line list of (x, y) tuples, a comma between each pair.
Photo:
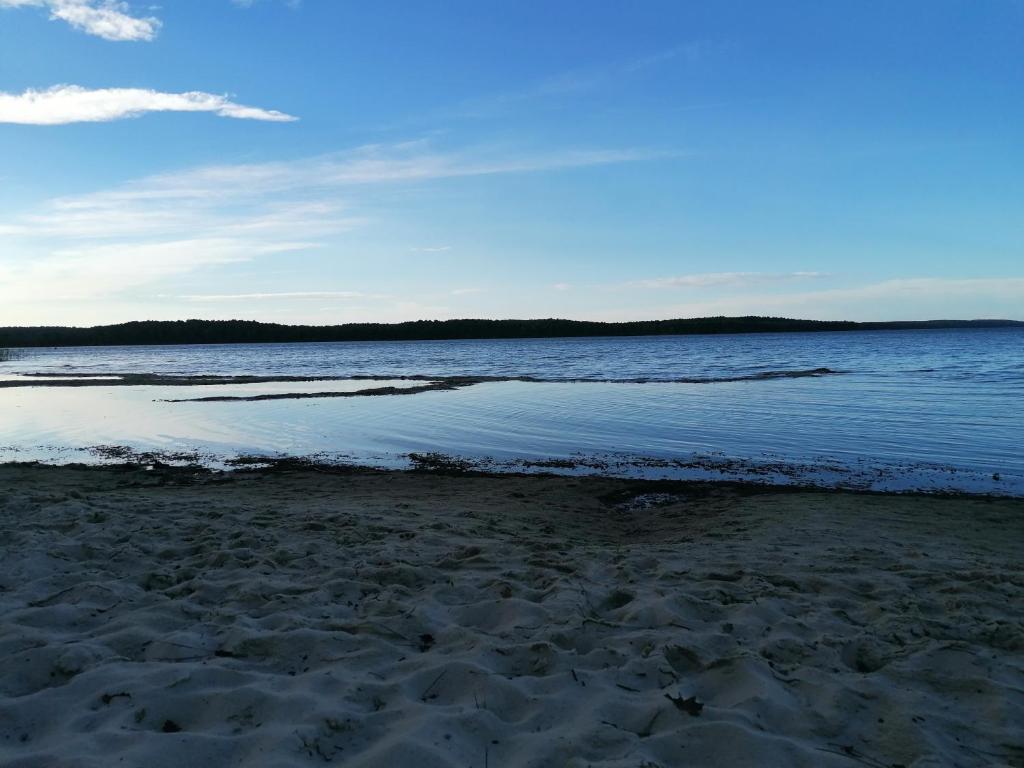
[(304, 617)]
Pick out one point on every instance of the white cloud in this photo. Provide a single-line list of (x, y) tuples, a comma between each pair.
[(89, 249), (96, 271), (104, 248), (714, 279), (64, 104), (432, 249), (108, 19)]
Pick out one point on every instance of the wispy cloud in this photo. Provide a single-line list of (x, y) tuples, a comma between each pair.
[(106, 245), (108, 19), (431, 249), (688, 52), (934, 288), (250, 3), (909, 298), (372, 164), (64, 104), (714, 279), (579, 80), (286, 295), (97, 270)]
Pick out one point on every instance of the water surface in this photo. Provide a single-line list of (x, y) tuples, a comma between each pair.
[(926, 409)]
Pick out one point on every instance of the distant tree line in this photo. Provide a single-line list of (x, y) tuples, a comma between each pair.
[(250, 332)]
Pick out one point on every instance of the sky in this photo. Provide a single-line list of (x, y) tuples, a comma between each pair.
[(331, 161)]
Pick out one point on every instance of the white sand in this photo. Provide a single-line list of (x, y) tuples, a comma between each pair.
[(414, 620)]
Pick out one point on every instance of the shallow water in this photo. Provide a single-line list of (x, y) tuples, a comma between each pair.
[(914, 409)]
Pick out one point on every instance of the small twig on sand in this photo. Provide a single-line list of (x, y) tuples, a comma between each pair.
[(639, 734), (430, 687), (853, 754)]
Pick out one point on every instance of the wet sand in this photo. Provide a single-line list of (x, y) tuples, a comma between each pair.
[(308, 617)]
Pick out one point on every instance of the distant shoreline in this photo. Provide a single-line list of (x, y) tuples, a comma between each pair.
[(178, 332)]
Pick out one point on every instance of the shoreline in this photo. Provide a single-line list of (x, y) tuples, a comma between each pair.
[(171, 465), (697, 471), (304, 615)]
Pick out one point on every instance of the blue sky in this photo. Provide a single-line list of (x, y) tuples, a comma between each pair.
[(330, 161)]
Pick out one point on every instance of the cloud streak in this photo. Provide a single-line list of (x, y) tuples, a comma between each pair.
[(367, 165), (293, 4), (107, 19), (63, 104), (286, 295), (717, 279)]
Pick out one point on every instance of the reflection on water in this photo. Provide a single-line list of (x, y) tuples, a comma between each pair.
[(852, 430)]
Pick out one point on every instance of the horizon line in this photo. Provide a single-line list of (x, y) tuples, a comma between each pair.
[(549, 319)]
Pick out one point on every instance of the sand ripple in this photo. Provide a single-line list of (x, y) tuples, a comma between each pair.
[(409, 619)]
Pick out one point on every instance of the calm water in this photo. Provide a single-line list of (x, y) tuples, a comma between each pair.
[(913, 409)]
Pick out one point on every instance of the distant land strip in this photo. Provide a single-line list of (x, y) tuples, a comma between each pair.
[(252, 332)]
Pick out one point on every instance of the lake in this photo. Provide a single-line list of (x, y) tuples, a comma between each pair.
[(885, 410)]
